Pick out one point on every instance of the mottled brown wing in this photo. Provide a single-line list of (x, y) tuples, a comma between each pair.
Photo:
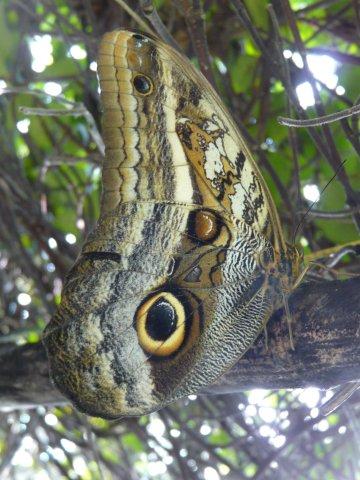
[(187, 260)]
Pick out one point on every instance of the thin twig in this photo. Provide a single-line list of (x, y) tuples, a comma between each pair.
[(339, 398), (352, 136), (53, 112), (37, 93), (333, 215), (151, 14), (293, 139), (311, 257), (315, 122), (78, 111), (56, 160), (244, 17), (337, 257), (194, 17), (143, 26)]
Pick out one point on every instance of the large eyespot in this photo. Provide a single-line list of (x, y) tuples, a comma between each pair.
[(161, 324), (164, 321), (204, 225), (143, 84)]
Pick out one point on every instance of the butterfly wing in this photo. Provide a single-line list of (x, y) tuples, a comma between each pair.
[(173, 285)]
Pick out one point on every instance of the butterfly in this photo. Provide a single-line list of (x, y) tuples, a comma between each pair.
[(187, 260)]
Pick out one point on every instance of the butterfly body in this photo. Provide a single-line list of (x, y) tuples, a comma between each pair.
[(187, 260)]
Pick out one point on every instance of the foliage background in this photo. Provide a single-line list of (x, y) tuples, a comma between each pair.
[(49, 197)]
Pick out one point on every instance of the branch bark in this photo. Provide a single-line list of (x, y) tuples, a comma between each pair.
[(326, 332)]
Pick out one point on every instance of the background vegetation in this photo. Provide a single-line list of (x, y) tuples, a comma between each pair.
[(298, 58)]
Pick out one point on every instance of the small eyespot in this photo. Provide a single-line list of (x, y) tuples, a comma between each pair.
[(143, 84), (161, 324), (204, 225)]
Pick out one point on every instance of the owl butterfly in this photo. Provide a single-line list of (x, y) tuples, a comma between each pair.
[(187, 260)]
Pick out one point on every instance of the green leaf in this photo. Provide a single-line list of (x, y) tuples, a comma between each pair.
[(228, 454), (258, 12), (250, 469), (241, 73), (33, 337), (9, 40), (132, 441), (219, 437)]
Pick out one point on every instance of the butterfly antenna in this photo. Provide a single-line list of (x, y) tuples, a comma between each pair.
[(313, 203)]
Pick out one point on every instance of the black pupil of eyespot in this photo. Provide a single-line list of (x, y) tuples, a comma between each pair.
[(161, 320), (137, 36), (142, 84)]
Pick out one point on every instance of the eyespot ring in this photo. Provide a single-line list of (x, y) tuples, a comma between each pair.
[(143, 84), (166, 322)]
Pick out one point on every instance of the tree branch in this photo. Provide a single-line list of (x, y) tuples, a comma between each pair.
[(326, 332)]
